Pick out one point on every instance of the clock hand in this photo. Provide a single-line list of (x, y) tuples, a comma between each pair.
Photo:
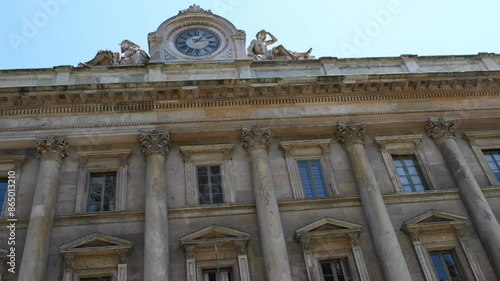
[(198, 40)]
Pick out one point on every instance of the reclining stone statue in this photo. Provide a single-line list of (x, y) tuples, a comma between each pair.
[(258, 49), (131, 54)]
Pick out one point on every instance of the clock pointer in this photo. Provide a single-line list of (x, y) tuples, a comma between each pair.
[(201, 36)]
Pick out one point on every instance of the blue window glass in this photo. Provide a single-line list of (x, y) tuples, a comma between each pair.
[(409, 173), (446, 266), (3, 192), (493, 158), (311, 176)]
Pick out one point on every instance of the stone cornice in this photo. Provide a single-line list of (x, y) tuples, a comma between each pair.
[(249, 208), (129, 97), (69, 130)]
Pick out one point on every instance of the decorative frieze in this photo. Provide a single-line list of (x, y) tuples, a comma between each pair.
[(440, 129), (51, 148), (155, 142), (349, 133), (83, 100), (256, 137)]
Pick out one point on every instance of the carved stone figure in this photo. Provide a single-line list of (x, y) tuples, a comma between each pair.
[(258, 49), (131, 54)]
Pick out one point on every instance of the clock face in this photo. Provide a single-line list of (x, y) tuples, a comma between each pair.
[(197, 42)]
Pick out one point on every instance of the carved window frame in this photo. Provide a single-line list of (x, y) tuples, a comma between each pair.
[(309, 150), (315, 247), (11, 163), (227, 239), (75, 253), (102, 162), (208, 155), (480, 141), (452, 229), (403, 146)]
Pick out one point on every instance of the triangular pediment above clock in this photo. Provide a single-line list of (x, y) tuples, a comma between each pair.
[(96, 242), (434, 218), (214, 233)]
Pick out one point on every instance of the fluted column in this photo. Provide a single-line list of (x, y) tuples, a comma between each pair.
[(443, 133), (255, 140), (155, 146), (382, 232), (51, 152)]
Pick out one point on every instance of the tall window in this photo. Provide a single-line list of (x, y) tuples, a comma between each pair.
[(311, 176), (3, 192), (102, 191), (209, 185), (214, 275), (409, 173), (493, 158), (335, 270), (446, 266)]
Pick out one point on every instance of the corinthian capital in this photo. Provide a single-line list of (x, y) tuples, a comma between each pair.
[(155, 142), (255, 137), (51, 148), (349, 133), (440, 129)]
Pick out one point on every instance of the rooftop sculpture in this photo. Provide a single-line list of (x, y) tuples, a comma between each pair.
[(131, 54), (258, 49)]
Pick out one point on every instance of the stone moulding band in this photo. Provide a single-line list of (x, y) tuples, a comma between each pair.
[(447, 111), (132, 106)]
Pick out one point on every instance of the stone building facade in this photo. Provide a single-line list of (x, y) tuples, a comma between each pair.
[(211, 163)]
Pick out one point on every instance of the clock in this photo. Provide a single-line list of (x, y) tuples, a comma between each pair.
[(197, 42)]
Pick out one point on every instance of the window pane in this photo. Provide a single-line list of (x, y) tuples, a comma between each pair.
[(438, 265), (215, 180), (3, 192), (202, 171), (311, 176), (215, 170), (225, 274), (209, 185), (305, 179), (102, 190), (446, 266), (202, 179), (409, 173), (335, 270), (401, 171), (326, 268)]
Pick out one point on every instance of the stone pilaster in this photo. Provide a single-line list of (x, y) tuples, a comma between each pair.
[(155, 146), (442, 131), (51, 151), (381, 230), (256, 141)]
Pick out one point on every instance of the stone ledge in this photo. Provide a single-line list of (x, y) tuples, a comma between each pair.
[(248, 208)]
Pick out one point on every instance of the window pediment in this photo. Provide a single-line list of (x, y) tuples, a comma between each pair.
[(96, 243), (433, 219), (328, 227), (214, 234)]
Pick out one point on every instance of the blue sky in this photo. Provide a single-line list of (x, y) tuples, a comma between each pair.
[(47, 33)]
